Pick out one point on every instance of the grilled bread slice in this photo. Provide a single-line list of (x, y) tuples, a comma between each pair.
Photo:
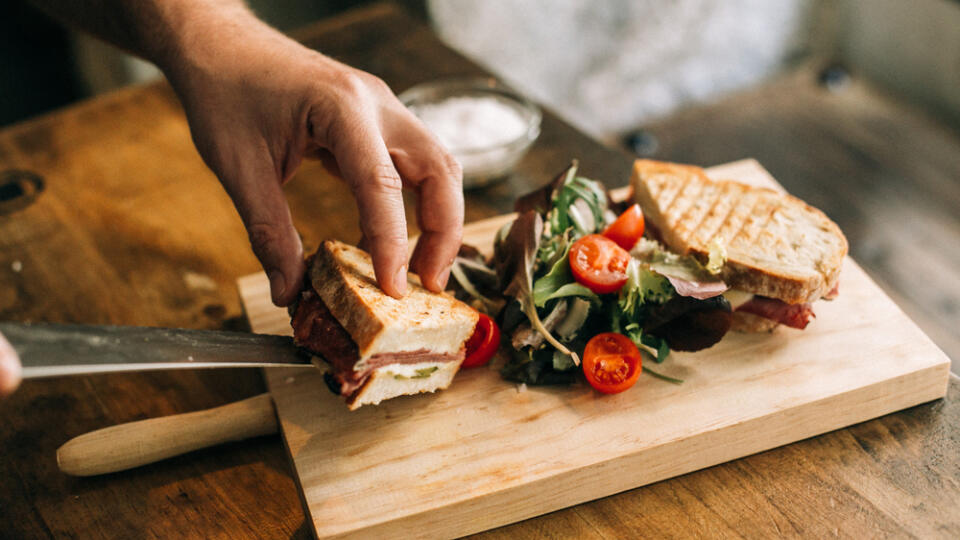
[(422, 321), (776, 245)]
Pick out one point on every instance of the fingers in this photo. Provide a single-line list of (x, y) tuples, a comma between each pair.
[(10, 370), (439, 211), (260, 201), (379, 146), (365, 164)]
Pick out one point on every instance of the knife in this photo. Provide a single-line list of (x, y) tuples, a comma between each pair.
[(49, 350)]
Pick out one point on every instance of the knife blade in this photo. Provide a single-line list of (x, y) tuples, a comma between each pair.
[(49, 350)]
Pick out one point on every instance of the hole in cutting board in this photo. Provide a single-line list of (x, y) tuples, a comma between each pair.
[(18, 189)]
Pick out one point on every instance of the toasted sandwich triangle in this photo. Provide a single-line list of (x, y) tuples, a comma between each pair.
[(776, 244)]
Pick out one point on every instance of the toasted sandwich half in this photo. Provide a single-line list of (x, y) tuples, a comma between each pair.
[(781, 253), (375, 346)]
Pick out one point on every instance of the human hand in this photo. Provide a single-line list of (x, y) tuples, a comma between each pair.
[(258, 103), (9, 368)]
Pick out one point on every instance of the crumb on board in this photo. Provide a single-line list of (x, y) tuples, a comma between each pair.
[(200, 282)]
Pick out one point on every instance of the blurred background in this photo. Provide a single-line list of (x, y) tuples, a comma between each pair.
[(605, 66), (854, 105)]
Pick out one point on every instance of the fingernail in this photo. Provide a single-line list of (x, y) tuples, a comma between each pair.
[(277, 285), (400, 280), (443, 278)]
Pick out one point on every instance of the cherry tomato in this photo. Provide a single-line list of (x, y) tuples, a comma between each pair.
[(483, 344), (599, 264), (627, 229), (611, 362)]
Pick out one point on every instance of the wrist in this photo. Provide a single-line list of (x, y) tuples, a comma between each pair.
[(208, 39)]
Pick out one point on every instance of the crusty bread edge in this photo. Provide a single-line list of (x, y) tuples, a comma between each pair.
[(327, 276)]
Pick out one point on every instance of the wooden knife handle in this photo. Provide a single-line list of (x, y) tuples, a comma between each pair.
[(125, 446)]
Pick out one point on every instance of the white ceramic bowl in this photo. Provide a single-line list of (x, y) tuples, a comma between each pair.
[(484, 162)]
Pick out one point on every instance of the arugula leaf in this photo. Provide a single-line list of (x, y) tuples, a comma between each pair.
[(561, 200), (522, 243)]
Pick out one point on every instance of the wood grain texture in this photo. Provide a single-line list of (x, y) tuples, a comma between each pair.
[(483, 454), (133, 229)]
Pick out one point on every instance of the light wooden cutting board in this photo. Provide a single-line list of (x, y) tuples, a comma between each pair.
[(485, 452)]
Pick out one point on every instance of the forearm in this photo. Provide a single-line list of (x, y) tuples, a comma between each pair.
[(165, 32), (258, 102)]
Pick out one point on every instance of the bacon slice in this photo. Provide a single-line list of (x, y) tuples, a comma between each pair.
[(701, 290), (792, 315)]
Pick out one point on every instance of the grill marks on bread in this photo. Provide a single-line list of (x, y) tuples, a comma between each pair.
[(777, 245)]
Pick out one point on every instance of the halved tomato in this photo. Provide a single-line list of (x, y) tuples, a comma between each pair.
[(483, 344), (611, 362), (627, 229), (599, 264)]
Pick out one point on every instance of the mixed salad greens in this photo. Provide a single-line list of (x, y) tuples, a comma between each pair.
[(575, 265)]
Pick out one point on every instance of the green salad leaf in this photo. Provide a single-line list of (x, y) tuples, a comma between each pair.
[(685, 267), (658, 344), (661, 376), (570, 289), (521, 244), (643, 286)]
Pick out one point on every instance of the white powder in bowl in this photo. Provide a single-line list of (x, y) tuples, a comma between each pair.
[(469, 123)]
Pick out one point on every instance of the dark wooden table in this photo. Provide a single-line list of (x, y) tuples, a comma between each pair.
[(131, 228)]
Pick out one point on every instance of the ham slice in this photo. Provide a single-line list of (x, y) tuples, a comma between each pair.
[(792, 315), (318, 331), (701, 290)]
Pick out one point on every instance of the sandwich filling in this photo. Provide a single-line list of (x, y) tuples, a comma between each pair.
[(318, 331), (792, 315)]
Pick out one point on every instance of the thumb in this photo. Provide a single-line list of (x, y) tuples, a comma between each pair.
[(263, 208)]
